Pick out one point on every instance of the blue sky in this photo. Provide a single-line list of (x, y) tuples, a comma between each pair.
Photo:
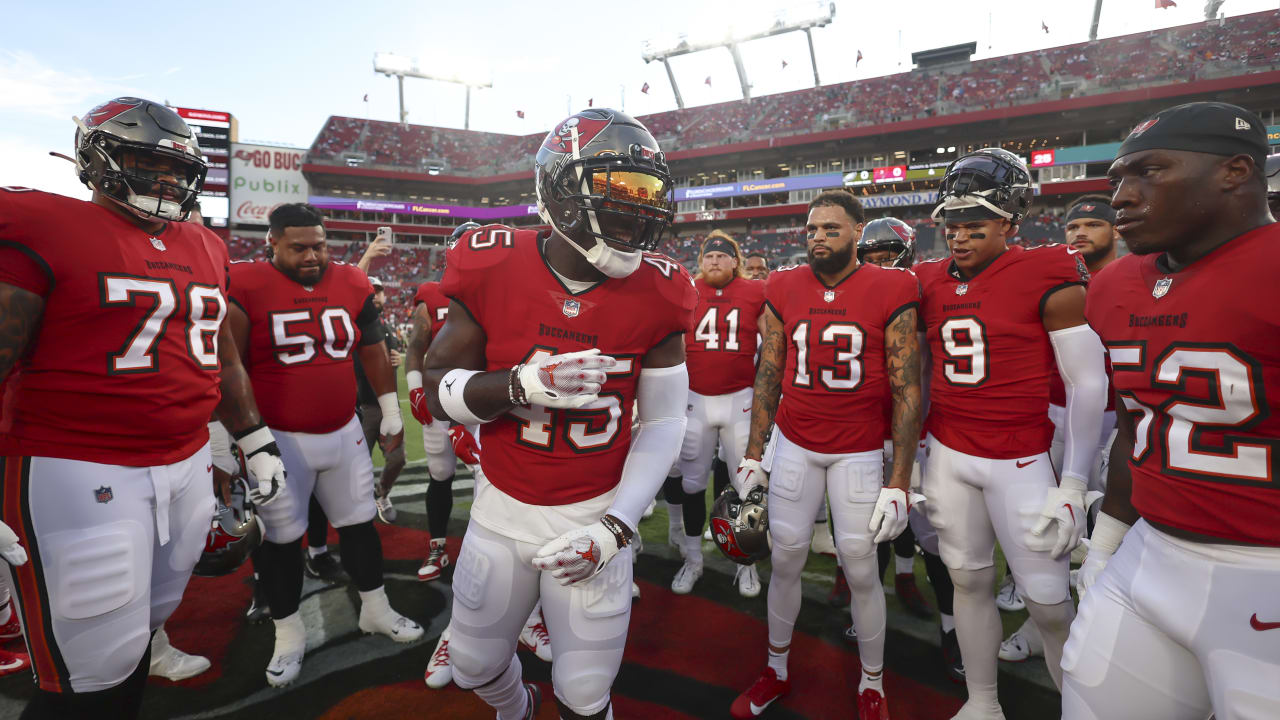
[(283, 67)]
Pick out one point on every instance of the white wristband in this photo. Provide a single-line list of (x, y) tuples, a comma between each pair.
[(1107, 534), (414, 379), (390, 404), (452, 394), (254, 441)]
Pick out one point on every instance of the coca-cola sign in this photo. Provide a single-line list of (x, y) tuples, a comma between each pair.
[(263, 177)]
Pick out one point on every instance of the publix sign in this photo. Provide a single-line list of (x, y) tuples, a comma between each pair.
[(262, 177)]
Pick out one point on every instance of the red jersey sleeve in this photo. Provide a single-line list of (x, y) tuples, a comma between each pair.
[(902, 293), (1059, 266), (775, 295), (468, 262), (683, 296), (20, 262)]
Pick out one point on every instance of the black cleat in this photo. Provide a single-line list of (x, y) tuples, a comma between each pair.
[(325, 567), (258, 611)]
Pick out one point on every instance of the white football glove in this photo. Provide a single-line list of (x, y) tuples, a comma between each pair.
[(262, 460), (750, 474), (889, 518), (578, 554), (10, 550), (570, 380), (1108, 533), (1063, 507)]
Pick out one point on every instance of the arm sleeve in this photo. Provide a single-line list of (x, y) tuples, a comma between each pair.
[(1080, 361), (661, 397), (369, 323)]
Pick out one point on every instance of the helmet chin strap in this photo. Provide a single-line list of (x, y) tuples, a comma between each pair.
[(961, 202)]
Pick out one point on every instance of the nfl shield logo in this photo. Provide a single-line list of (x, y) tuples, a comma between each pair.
[(962, 288), (103, 495), (571, 308), (1162, 287), (829, 296), (155, 242)]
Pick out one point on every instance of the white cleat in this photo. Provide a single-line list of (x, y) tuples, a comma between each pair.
[(706, 534), (439, 670), (386, 511), (635, 590), (685, 578), (748, 581), (1007, 597), (1024, 643), (534, 636), (822, 542), (173, 664), (648, 512), (392, 624), (284, 668)]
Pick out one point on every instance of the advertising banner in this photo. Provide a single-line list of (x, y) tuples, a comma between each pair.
[(262, 177)]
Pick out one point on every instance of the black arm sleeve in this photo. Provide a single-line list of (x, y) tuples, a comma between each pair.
[(369, 324)]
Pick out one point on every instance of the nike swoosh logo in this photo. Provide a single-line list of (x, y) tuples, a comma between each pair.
[(360, 441), (209, 468), (17, 663), (743, 409), (276, 673), (1261, 626), (1024, 464), (757, 709)]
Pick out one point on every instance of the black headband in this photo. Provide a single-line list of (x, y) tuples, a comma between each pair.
[(1092, 209), (719, 244), (1205, 127)]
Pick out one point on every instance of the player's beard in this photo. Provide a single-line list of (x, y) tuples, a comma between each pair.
[(834, 262), (309, 276), (718, 277), (1095, 253)]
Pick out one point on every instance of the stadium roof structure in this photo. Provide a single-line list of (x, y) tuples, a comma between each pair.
[(925, 59)]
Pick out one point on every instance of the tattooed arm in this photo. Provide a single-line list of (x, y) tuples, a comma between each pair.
[(902, 361), (20, 312), (768, 386)]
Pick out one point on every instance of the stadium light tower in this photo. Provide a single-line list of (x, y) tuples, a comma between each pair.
[(401, 67), (792, 20)]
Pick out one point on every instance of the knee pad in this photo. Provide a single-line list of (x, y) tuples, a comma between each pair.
[(974, 582), (694, 485), (581, 687), (568, 713), (1052, 619), (477, 662), (789, 538), (854, 547), (441, 466)]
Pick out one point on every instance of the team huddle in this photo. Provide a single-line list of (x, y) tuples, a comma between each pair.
[(1027, 397)]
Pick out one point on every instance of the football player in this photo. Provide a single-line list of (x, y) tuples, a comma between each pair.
[(1273, 184), (1181, 620), (115, 357), (371, 414), (298, 319), (840, 344), (430, 308), (757, 266), (1091, 231), (550, 340), (997, 316), (721, 350), (890, 242)]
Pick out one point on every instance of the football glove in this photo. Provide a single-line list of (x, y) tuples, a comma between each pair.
[(1063, 508), (262, 460), (465, 447), (1108, 532), (749, 475), (10, 550), (417, 398), (570, 380), (578, 554), (889, 518)]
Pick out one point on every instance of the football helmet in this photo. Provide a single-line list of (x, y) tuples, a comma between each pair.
[(1273, 182), (234, 533), (740, 528), (985, 184), (120, 145), (461, 230), (889, 233), (600, 174)]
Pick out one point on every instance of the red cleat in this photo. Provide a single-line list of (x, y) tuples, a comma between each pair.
[(13, 628), (760, 695), (904, 585), (872, 705), (11, 662)]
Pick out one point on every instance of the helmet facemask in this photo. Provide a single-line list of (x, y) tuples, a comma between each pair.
[(984, 185), (115, 168)]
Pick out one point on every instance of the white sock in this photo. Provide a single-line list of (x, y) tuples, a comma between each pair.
[(693, 549), (317, 551), (948, 622), (159, 642), (675, 520), (6, 612), (778, 661), (291, 634), (375, 602), (875, 682), (904, 565)]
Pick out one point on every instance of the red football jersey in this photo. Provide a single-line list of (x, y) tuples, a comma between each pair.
[(557, 457), (991, 357), (301, 341), (123, 369), (835, 385), (721, 345), (1196, 362), (437, 304)]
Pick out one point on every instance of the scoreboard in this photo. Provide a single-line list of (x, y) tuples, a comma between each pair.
[(215, 131)]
